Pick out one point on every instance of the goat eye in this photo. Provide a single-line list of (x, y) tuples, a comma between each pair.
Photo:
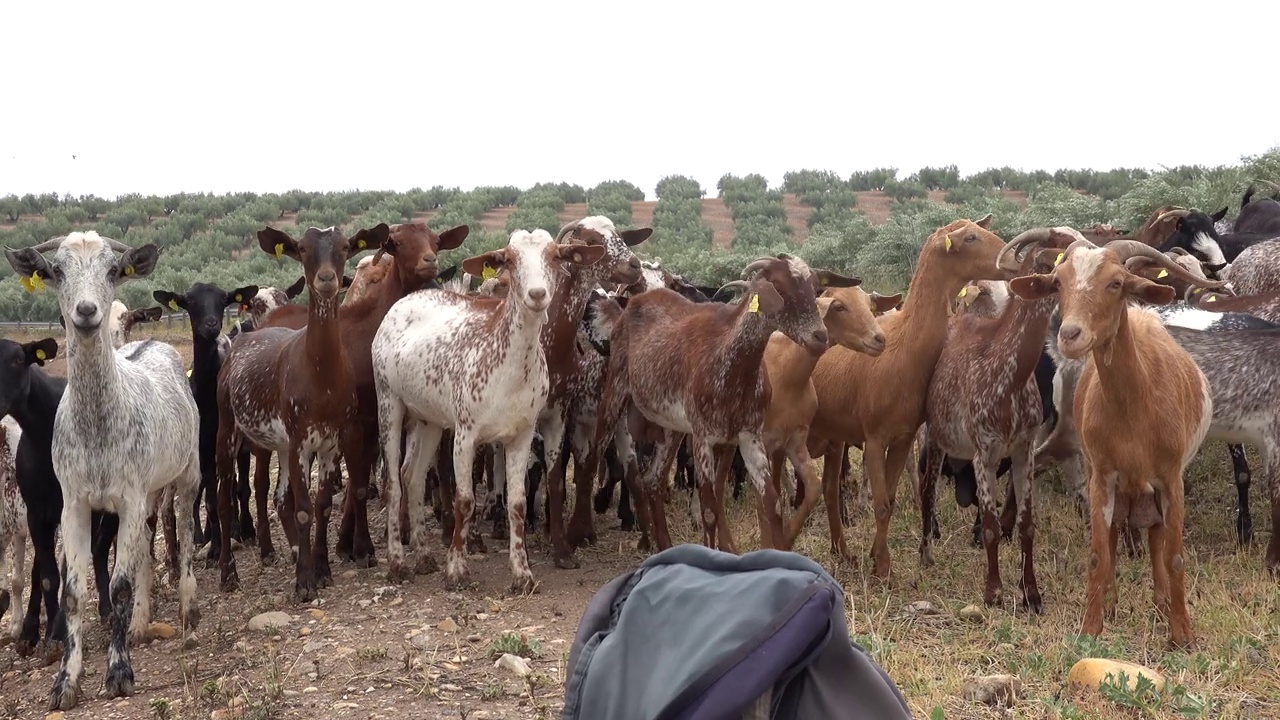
[(971, 238), (1115, 285)]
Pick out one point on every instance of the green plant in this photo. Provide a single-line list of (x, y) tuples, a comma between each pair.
[(515, 644)]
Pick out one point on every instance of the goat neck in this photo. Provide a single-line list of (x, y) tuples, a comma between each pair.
[(1118, 363), (36, 410), (1022, 327), (93, 378), (789, 365), (323, 334), (568, 305)]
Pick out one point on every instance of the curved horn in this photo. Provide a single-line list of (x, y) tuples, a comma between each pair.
[(1177, 250), (756, 266), (50, 244), (565, 230), (117, 245), (1271, 185), (1126, 249), (1034, 236), (1175, 211), (733, 284)]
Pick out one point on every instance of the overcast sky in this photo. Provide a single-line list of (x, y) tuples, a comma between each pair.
[(162, 97)]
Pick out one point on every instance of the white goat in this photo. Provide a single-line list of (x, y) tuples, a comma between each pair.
[(13, 525), (123, 320), (125, 432), (474, 365)]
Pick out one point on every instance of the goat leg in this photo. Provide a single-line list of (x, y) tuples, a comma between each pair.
[(245, 532), (932, 457), (1023, 483), (1244, 522), (262, 492)]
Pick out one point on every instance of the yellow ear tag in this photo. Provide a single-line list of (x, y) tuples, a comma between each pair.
[(279, 250), (239, 298), (188, 372), (40, 354), (1162, 274), (964, 291), (754, 305), (488, 273), (1212, 298), (946, 243), (173, 305), (1197, 291), (1058, 261), (361, 244), (128, 269), (33, 283)]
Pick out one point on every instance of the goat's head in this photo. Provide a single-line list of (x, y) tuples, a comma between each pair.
[(15, 368), (1195, 233), (205, 305), (415, 247), (984, 298), (259, 305), (370, 271), (1160, 225), (1152, 270), (1094, 287), (123, 320), (323, 254), (622, 266), (533, 263), (849, 315), (965, 250), (785, 289), (86, 272)]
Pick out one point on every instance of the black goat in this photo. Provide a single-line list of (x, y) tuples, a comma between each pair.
[(1196, 234), (32, 398)]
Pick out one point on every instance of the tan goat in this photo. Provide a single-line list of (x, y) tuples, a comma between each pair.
[(878, 402), (849, 315), (1142, 406)]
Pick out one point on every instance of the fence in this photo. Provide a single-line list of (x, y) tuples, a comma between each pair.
[(170, 321)]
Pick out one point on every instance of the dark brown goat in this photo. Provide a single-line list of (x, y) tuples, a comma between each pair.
[(684, 368), (414, 247), (293, 392)]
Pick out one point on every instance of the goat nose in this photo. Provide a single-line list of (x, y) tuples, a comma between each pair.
[(326, 276), (537, 294), (85, 309), (879, 338), (820, 336), (634, 262), (1069, 332)]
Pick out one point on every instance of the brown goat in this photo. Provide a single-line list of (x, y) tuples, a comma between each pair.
[(878, 403), (293, 392), (1137, 448), (414, 246), (1263, 305), (983, 405), (849, 315), (684, 368)]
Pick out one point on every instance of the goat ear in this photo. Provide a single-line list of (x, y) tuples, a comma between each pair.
[(1216, 217), (137, 262), (40, 351), (447, 274), (635, 237), (582, 254), (884, 303), (278, 243), (240, 296), (150, 314), (765, 296), (984, 223), (28, 264), (173, 301), (296, 289), (1147, 291), (1032, 287), (1045, 259), (452, 238), (828, 279), (364, 239), (485, 266), (346, 281)]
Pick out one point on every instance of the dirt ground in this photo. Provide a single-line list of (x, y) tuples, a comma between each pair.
[(368, 649)]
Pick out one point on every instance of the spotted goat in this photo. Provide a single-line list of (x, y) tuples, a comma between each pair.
[(124, 434), (13, 526), (477, 366)]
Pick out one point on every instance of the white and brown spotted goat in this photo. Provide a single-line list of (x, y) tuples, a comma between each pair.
[(474, 365), (125, 432)]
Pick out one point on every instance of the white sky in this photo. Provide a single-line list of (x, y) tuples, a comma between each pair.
[(161, 97)]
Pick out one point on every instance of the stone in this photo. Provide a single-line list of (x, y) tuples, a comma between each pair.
[(922, 607), (269, 621), (971, 613), (421, 641), (161, 631), (349, 575), (345, 706), (304, 631), (395, 602), (513, 663), (1005, 648), (310, 689), (493, 607), (1090, 672), (447, 625), (313, 646), (993, 689), (316, 614), (53, 716)]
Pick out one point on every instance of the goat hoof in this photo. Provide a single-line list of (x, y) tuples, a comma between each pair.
[(305, 592), (119, 681), (25, 648), (50, 651), (268, 557), (191, 620), (476, 546), (644, 545), (230, 581), (398, 573), (523, 585), (1033, 603), (458, 581), (426, 565), (600, 504), (4, 602), (926, 556), (64, 692), (567, 562)]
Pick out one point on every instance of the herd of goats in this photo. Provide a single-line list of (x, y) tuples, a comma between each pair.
[(1113, 354)]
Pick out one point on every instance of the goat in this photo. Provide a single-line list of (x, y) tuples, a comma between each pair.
[(879, 403), (124, 435), (292, 392), (1261, 215), (1194, 232), (13, 525), (849, 316), (697, 369), (205, 306), (123, 321), (1256, 270), (1137, 450), (368, 274), (443, 360), (983, 404), (415, 248), (1264, 305)]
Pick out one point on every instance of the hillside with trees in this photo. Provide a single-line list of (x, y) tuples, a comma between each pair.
[(870, 223)]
